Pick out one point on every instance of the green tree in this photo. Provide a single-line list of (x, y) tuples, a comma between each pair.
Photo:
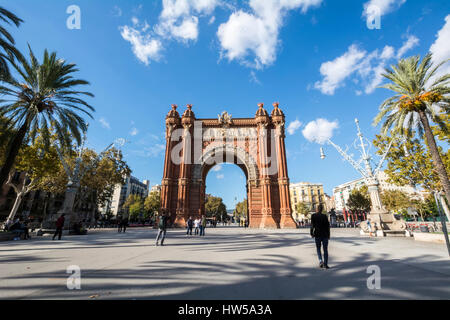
[(396, 200), (359, 201), (37, 165), (241, 209), (215, 207), (134, 205), (152, 204), (303, 208), (416, 99), (103, 173), (426, 208), (410, 163), (7, 41), (44, 97), (135, 210)]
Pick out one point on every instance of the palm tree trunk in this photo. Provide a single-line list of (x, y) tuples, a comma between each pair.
[(15, 145), (432, 147)]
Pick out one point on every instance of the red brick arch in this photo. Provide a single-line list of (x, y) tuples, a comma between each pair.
[(256, 145)]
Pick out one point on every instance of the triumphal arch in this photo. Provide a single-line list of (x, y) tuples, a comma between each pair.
[(194, 146)]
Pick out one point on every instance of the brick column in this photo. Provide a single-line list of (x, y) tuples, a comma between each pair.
[(286, 220)]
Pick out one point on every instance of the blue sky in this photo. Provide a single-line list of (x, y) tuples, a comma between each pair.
[(318, 58)]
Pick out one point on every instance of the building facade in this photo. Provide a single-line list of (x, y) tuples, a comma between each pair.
[(342, 192), (132, 186), (156, 188), (310, 194)]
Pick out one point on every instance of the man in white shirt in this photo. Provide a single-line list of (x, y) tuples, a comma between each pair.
[(196, 226)]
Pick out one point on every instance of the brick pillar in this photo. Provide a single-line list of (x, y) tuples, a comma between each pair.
[(167, 185), (286, 220), (185, 169), (263, 120)]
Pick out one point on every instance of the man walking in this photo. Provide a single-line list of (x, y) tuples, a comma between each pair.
[(320, 230), (162, 226), (203, 226), (59, 227)]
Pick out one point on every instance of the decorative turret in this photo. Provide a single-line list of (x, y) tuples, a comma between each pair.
[(173, 113), (261, 115), (172, 120), (277, 114), (188, 116)]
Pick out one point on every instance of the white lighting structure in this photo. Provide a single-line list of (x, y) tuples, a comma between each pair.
[(385, 222)]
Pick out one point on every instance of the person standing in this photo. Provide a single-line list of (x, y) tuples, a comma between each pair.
[(125, 223), (119, 224), (189, 226), (203, 226), (162, 226), (369, 226), (196, 226), (320, 230), (59, 226)]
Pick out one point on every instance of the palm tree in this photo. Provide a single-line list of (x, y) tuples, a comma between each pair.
[(45, 97), (416, 103), (6, 40)]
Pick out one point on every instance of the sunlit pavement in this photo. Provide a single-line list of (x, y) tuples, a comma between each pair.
[(229, 263)]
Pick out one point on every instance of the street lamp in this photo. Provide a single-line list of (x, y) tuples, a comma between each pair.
[(385, 221)]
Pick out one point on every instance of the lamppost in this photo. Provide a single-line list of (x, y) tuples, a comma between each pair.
[(379, 216), (75, 177)]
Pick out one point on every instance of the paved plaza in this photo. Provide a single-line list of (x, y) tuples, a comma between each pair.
[(229, 263)]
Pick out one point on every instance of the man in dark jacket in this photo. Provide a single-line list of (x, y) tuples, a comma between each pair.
[(320, 230), (162, 226), (59, 227), (189, 226)]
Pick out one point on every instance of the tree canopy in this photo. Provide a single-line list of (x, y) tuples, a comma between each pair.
[(215, 207)]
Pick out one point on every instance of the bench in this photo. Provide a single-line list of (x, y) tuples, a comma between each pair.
[(11, 235)]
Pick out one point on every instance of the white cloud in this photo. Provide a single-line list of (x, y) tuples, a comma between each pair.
[(294, 126), (220, 176), (388, 53), (410, 43), (441, 49), (212, 20), (179, 18), (384, 6), (217, 168), (117, 11), (252, 37), (336, 71), (134, 132), (153, 151), (143, 45), (254, 78), (104, 123), (365, 68), (320, 130)]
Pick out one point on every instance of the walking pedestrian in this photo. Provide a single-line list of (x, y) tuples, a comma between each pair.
[(203, 226), (320, 230), (162, 226), (189, 226), (59, 226)]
